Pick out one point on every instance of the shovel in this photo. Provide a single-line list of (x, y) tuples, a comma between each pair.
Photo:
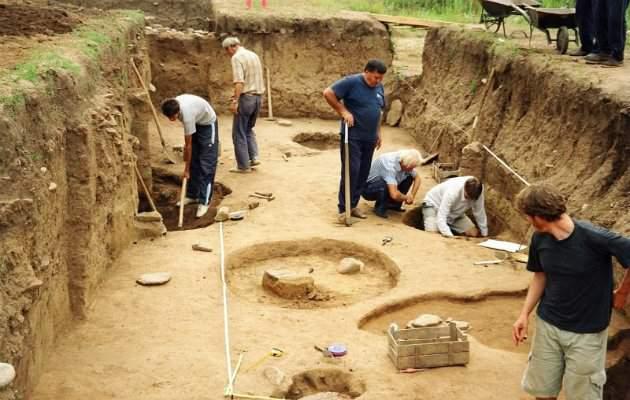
[(182, 197), (346, 173), (169, 158)]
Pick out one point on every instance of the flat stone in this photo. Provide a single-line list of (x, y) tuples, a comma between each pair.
[(395, 113), (424, 320), (284, 122), (462, 325), (288, 284), (253, 204), (201, 247), (149, 229), (154, 279), (223, 214), (350, 265), (7, 374), (150, 216)]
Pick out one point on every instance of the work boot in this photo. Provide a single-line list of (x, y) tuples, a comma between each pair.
[(255, 162), (237, 170), (612, 62), (202, 209), (578, 53), (355, 212), (187, 201), (381, 213), (596, 58)]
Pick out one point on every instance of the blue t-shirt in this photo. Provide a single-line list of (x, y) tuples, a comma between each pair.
[(364, 102), (579, 276)]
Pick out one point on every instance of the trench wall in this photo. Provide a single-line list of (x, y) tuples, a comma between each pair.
[(304, 56), (179, 14), (549, 122), (68, 191)]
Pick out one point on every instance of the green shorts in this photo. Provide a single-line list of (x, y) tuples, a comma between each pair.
[(575, 361)]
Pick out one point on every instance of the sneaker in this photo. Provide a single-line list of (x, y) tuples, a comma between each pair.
[(380, 213), (254, 162), (596, 58), (187, 201), (612, 62), (578, 53), (241, 170), (202, 209), (355, 212)]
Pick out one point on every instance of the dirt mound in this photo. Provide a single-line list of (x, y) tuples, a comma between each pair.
[(24, 20), (330, 383)]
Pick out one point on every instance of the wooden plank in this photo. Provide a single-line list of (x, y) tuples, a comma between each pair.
[(424, 333), (433, 348), (409, 21), (459, 358), (432, 361), (458, 347)]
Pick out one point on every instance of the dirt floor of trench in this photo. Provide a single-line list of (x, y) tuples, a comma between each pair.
[(167, 342)]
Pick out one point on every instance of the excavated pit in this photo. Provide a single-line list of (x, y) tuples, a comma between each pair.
[(323, 384), (490, 316), (316, 258), (318, 140), (166, 192)]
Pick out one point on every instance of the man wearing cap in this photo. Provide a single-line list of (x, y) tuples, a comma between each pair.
[(248, 89), (201, 141), (359, 100)]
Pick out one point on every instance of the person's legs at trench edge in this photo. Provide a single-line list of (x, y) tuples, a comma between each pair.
[(208, 155)]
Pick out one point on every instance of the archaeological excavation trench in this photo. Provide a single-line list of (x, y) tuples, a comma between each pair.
[(75, 124)]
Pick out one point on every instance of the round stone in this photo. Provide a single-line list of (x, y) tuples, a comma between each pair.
[(7, 374), (350, 265)]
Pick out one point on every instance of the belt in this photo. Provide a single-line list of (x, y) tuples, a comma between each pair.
[(251, 94)]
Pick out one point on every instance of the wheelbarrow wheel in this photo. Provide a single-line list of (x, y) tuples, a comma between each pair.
[(562, 40)]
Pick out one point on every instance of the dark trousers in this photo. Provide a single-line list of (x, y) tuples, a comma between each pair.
[(377, 190), (243, 136), (361, 153), (610, 17), (203, 164), (585, 15)]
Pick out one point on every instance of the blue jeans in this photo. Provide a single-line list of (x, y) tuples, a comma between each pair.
[(376, 190), (361, 153), (585, 15), (203, 164), (610, 17), (243, 136)]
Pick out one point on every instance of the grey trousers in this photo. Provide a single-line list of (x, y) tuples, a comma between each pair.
[(243, 136)]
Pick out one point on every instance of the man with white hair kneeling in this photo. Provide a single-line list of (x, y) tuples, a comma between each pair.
[(393, 181)]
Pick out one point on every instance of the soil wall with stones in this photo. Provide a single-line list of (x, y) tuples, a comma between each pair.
[(303, 55), (68, 191), (547, 121), (179, 14)]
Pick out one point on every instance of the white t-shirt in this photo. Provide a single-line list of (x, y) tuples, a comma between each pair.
[(193, 110)]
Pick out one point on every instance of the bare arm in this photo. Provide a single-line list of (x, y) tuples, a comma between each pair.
[(621, 294), (394, 194), (414, 189), (238, 90), (187, 155), (536, 289), (331, 99)]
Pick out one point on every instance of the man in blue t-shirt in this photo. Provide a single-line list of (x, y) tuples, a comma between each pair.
[(359, 99), (573, 287)]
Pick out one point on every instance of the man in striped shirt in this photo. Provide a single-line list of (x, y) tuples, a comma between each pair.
[(248, 88)]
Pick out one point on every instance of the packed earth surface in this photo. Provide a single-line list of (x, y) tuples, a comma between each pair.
[(81, 156)]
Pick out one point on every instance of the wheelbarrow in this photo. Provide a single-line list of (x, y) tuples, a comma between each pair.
[(562, 19), (494, 12)]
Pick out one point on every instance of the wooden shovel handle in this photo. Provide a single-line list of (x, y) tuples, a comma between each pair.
[(182, 197), (146, 92)]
